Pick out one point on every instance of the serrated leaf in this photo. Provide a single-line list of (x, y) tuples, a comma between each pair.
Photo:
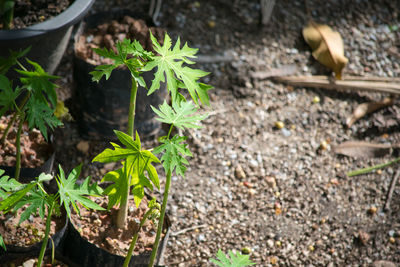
[(72, 193), (136, 163), (8, 203), (128, 53), (11, 60), (114, 190), (234, 260), (38, 82), (36, 200), (169, 65), (180, 114), (40, 116), (174, 154), (8, 96)]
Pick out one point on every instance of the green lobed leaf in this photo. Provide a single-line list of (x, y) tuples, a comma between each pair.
[(40, 116), (8, 96), (11, 60), (180, 114), (234, 260), (174, 154), (136, 161), (12, 200), (169, 65), (72, 193), (38, 82)]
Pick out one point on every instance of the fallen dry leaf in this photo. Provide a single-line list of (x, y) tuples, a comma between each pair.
[(363, 149), (327, 46), (365, 108)]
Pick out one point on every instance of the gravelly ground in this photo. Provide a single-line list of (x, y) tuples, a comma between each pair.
[(275, 191)]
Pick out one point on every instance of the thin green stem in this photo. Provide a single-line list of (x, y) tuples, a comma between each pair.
[(170, 130), (135, 237), (10, 123), (123, 207), (132, 108), (372, 168), (161, 220), (46, 234), (18, 147)]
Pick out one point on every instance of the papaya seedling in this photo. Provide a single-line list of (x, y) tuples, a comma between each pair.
[(232, 259), (36, 199), (34, 101), (171, 64)]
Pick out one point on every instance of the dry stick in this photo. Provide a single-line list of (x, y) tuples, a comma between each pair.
[(324, 82), (391, 189), (188, 229)]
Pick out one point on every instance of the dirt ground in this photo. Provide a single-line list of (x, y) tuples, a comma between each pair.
[(275, 191)]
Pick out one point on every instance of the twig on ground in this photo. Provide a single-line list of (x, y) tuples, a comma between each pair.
[(386, 207), (373, 84), (188, 229)]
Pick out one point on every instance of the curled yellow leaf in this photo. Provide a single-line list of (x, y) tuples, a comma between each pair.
[(327, 46)]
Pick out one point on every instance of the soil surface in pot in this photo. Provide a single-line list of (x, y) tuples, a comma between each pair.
[(27, 13), (99, 228), (33, 262), (108, 33), (28, 232), (34, 148)]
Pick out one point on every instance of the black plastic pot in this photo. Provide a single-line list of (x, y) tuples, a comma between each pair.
[(49, 39), (103, 107), (78, 252), (18, 254)]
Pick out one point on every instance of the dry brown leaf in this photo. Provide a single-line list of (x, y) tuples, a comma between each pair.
[(363, 149), (327, 46), (366, 108)]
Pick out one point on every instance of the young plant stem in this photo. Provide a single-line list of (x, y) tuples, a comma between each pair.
[(135, 237), (10, 123), (123, 206), (46, 234), (18, 147), (132, 108), (161, 220)]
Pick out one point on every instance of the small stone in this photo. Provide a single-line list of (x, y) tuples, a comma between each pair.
[(372, 210), (273, 260), (270, 243), (239, 172), (311, 248), (392, 240), (29, 263), (271, 181), (286, 132), (211, 24), (246, 250), (83, 146), (279, 125), (363, 237), (316, 100), (323, 145)]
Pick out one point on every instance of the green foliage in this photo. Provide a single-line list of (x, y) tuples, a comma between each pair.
[(35, 198), (38, 89), (169, 64), (180, 114), (137, 162), (7, 63), (41, 116), (130, 54), (71, 193), (174, 154), (234, 260)]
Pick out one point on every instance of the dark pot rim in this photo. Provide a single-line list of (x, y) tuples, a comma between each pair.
[(73, 14)]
